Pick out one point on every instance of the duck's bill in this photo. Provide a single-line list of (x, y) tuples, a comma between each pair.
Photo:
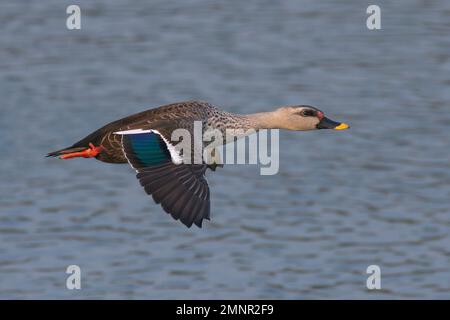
[(326, 123)]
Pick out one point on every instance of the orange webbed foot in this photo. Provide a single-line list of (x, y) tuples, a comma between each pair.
[(92, 152)]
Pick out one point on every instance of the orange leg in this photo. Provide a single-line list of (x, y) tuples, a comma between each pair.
[(92, 152)]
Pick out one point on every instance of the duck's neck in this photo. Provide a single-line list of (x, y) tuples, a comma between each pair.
[(256, 121), (264, 120)]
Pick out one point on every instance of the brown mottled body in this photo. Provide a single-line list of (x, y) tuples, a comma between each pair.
[(166, 119)]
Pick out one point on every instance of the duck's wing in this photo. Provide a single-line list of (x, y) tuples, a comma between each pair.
[(181, 189)]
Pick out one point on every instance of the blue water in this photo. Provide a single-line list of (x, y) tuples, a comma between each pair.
[(375, 194)]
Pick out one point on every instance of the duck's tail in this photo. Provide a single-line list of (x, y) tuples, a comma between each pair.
[(66, 151)]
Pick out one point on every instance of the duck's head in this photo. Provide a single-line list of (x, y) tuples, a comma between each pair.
[(303, 117)]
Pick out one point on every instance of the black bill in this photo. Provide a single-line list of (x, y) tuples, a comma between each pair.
[(326, 123)]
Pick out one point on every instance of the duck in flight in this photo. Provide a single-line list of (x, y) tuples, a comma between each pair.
[(144, 141)]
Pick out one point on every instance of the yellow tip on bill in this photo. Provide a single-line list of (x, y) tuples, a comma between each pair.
[(342, 126)]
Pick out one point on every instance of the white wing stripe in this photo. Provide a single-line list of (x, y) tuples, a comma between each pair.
[(134, 131)]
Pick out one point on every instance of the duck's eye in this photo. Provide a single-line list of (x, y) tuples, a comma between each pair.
[(307, 113)]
